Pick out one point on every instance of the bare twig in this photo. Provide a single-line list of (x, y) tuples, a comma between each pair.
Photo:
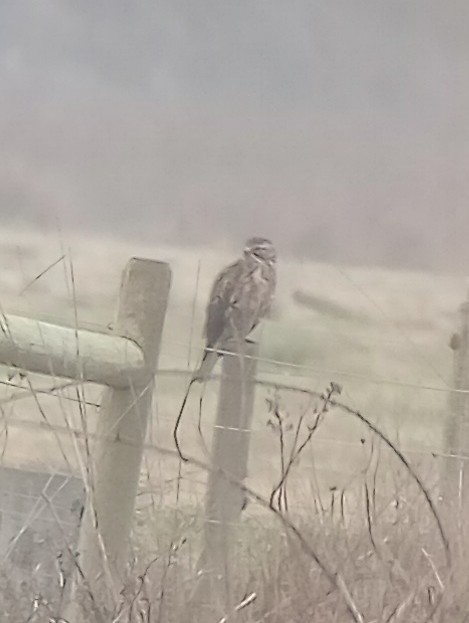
[(297, 449), (141, 578), (178, 421), (97, 612)]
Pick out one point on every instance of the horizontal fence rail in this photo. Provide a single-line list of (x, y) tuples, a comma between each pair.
[(54, 350)]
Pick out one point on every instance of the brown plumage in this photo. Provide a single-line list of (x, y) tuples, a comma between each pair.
[(241, 296)]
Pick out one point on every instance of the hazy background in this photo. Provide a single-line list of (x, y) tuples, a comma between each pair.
[(339, 128)]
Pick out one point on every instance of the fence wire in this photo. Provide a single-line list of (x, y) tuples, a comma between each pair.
[(194, 485)]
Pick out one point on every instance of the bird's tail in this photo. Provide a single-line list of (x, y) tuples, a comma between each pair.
[(207, 364)]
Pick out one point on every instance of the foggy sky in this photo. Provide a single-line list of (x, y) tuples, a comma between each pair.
[(337, 127)]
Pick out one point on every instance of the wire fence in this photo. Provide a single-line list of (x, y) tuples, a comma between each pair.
[(48, 421), (164, 417), (294, 383)]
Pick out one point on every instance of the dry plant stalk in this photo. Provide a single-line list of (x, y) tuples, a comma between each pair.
[(302, 436)]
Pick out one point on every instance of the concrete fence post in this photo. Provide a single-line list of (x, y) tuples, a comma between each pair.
[(116, 458)]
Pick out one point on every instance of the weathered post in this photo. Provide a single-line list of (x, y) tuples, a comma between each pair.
[(224, 499), (455, 481), (104, 536)]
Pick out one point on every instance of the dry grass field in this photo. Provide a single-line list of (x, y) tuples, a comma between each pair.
[(382, 335)]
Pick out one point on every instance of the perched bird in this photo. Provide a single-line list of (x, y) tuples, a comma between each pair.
[(241, 296)]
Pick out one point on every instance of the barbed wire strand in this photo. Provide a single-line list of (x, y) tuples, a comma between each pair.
[(421, 450), (368, 378), (173, 372), (77, 433), (326, 371)]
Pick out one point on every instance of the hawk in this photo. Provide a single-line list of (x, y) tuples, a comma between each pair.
[(242, 294)]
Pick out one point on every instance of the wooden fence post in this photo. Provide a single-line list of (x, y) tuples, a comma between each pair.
[(116, 462), (455, 481), (225, 500)]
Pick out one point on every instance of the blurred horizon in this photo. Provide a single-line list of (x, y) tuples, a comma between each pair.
[(338, 129)]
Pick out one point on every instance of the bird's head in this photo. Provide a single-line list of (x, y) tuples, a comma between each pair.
[(260, 249)]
